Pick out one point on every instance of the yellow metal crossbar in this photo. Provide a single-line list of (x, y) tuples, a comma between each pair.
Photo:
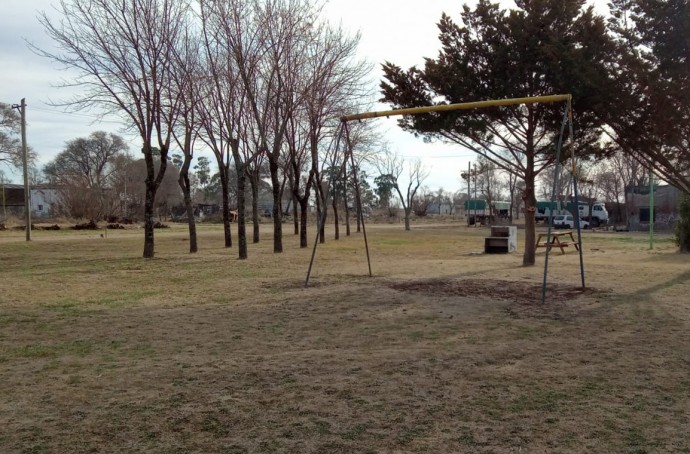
[(459, 106)]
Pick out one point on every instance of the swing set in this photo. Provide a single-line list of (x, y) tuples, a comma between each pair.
[(343, 136)]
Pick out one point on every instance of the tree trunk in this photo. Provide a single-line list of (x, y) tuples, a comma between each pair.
[(254, 182), (682, 233), (152, 184), (321, 211), (347, 218), (241, 212), (336, 221), (151, 189), (226, 206), (358, 209), (186, 187), (359, 220), (303, 210), (295, 219), (347, 207), (407, 218), (530, 203), (277, 209), (303, 216)]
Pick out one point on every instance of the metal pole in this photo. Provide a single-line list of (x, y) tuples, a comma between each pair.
[(553, 196), (25, 162), (577, 200), (651, 209), (348, 150), (459, 106), (322, 218)]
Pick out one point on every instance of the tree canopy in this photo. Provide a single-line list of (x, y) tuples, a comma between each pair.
[(86, 161), (542, 47), (124, 55), (10, 146), (652, 118)]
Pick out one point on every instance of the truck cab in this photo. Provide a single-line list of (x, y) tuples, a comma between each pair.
[(598, 215)]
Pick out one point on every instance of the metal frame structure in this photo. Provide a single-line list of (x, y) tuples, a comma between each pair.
[(567, 119)]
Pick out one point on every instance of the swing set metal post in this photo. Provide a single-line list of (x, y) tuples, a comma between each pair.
[(567, 98)]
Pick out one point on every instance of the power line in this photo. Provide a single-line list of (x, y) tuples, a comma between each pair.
[(425, 156), (75, 114)]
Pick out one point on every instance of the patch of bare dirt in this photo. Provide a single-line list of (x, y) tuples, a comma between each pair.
[(525, 298)]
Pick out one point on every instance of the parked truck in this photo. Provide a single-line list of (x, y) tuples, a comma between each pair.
[(478, 211), (594, 213), (546, 209)]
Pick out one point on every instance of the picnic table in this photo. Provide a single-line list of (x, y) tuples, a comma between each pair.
[(558, 239)]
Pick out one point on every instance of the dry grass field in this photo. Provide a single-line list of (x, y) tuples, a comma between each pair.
[(441, 350)]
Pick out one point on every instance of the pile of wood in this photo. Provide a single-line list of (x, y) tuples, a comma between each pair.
[(91, 225)]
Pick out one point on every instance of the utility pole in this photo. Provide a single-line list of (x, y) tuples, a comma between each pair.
[(25, 162)]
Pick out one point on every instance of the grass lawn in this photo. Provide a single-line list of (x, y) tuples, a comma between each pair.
[(442, 350)]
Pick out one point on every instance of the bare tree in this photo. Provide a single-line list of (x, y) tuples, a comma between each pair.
[(564, 187), (123, 55), (515, 188), (391, 166), (365, 141), (10, 146), (489, 182), (134, 195), (220, 87), (335, 80), (422, 200), (445, 199), (184, 77), (300, 184), (256, 170), (267, 50), (84, 173)]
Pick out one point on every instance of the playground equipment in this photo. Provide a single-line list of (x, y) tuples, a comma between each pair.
[(344, 136)]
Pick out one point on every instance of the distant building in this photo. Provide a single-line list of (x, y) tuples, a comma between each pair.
[(638, 207), (44, 199), (440, 208)]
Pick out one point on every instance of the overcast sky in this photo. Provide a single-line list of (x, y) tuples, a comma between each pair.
[(400, 31)]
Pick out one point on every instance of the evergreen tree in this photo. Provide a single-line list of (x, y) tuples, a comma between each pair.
[(543, 47), (651, 118)]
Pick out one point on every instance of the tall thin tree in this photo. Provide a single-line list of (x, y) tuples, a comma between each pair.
[(123, 54)]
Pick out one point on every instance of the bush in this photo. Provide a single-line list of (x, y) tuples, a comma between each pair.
[(683, 225)]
